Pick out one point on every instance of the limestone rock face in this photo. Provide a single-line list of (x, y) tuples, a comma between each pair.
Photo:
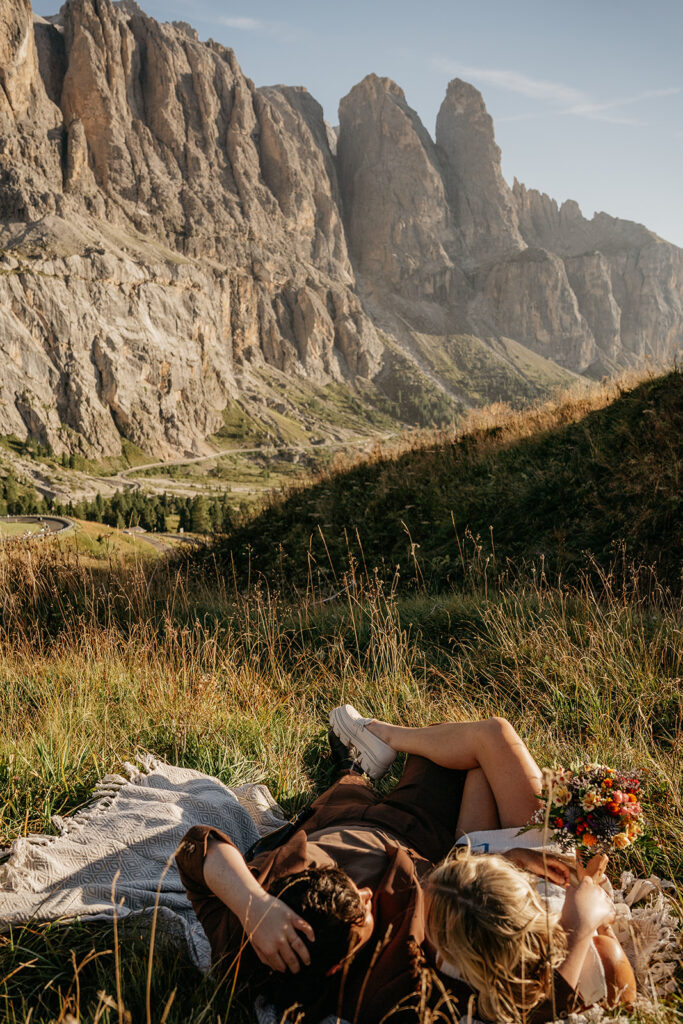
[(394, 194), (18, 64), (482, 204), (589, 277), (529, 298), (197, 232), (30, 133), (628, 282), (101, 343), (51, 52), (440, 240)]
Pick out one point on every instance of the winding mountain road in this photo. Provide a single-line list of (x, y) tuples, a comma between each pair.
[(260, 450), (51, 525), (87, 485)]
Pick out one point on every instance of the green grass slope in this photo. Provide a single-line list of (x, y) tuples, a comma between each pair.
[(555, 485), (449, 373), (492, 369)]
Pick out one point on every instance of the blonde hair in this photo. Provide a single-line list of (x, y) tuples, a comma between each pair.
[(486, 918)]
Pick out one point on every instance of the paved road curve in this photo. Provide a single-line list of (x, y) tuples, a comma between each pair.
[(50, 524)]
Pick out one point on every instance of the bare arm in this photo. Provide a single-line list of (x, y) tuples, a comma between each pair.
[(544, 865), (587, 907), (271, 927)]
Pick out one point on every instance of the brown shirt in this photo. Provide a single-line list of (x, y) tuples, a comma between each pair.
[(386, 979), (359, 851)]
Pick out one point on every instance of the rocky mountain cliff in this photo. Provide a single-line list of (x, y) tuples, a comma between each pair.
[(460, 250), (167, 229)]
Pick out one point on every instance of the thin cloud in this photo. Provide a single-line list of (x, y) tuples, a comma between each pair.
[(244, 24), (595, 110), (514, 81), (270, 28), (575, 102)]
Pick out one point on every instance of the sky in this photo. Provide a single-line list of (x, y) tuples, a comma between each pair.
[(586, 95)]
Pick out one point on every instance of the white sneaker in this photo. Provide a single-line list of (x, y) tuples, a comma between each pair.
[(375, 756)]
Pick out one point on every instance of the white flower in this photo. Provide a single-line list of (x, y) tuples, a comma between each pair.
[(562, 796)]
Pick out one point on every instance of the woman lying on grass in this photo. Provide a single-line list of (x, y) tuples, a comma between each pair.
[(483, 914)]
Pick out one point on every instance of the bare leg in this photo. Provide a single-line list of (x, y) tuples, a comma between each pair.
[(492, 745), (621, 982), (478, 809)]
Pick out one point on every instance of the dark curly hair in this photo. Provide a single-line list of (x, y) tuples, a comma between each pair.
[(329, 901)]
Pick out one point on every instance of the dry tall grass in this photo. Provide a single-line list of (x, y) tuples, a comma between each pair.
[(500, 423), (98, 664)]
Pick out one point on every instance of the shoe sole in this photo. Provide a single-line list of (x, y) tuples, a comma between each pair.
[(340, 724)]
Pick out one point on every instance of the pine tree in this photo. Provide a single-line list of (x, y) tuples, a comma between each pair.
[(184, 518), (10, 489), (199, 515), (227, 523)]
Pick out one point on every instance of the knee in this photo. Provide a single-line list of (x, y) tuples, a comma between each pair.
[(621, 982), (500, 729)]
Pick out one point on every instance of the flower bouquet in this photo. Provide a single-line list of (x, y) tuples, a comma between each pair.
[(593, 808)]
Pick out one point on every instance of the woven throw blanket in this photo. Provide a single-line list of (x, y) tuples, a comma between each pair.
[(128, 835)]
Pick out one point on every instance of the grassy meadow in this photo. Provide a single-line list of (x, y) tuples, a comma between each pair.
[(224, 663)]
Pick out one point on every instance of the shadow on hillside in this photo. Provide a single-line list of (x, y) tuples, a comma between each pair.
[(603, 490)]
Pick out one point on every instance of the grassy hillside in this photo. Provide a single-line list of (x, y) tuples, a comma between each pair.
[(433, 379), (576, 478), (283, 426), (97, 665), (491, 370)]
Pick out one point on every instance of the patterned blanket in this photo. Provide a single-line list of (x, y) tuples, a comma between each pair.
[(124, 843)]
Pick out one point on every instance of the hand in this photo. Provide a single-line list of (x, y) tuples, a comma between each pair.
[(595, 867), (272, 928), (587, 907), (549, 867)]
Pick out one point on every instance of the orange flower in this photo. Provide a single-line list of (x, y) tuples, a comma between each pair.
[(607, 782), (589, 839), (613, 807)]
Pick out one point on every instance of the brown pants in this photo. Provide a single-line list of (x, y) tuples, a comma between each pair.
[(421, 811)]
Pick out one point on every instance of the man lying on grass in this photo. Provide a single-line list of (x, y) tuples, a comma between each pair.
[(354, 917)]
